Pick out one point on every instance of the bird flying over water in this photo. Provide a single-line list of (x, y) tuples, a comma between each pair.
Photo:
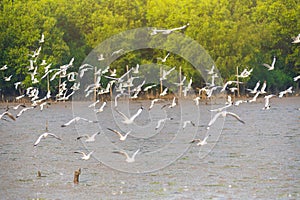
[(128, 158), (88, 138), (224, 114), (122, 137), (132, 118), (44, 136), (272, 65)]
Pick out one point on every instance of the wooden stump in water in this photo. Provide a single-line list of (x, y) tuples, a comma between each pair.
[(76, 176), (39, 174)]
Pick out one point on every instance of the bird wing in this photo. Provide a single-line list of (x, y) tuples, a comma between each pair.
[(38, 140), (135, 153), (115, 131), (55, 136), (122, 114), (137, 114), (69, 122), (10, 115), (214, 119), (122, 153), (267, 65), (235, 116)]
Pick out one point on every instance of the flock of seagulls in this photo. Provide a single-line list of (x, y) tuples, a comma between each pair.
[(69, 86)]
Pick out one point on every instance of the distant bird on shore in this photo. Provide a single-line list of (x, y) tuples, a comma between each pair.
[(122, 137), (7, 114), (44, 136), (84, 155), (200, 141), (296, 39), (88, 138), (272, 65), (130, 120), (128, 158), (224, 114)]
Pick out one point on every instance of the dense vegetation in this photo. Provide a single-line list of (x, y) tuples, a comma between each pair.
[(244, 33)]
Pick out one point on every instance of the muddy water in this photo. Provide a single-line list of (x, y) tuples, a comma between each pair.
[(256, 160)]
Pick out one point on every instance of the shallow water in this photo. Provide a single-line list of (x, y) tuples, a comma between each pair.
[(256, 160)]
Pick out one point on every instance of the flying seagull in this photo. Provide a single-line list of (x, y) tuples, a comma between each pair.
[(187, 122), (76, 119), (8, 114), (224, 114), (267, 101), (88, 138), (289, 90), (128, 159), (164, 59), (296, 39), (272, 65), (132, 118), (85, 156), (200, 142), (152, 103), (44, 136), (122, 137)]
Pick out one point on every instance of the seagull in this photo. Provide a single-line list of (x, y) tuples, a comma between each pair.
[(296, 39), (165, 58), (211, 71), (187, 122), (85, 156), (8, 114), (221, 109), (44, 135), (132, 118), (152, 103), (289, 90), (17, 84), (263, 88), (43, 104), (161, 121), (164, 92), (101, 108), (255, 97), (181, 82), (23, 110), (166, 73), (76, 119), (149, 87), (117, 52), (173, 104), (89, 138), (255, 88), (267, 101), (136, 69), (168, 31), (122, 137), (224, 114), (200, 142), (237, 103), (42, 39), (94, 104), (128, 159), (8, 78), (196, 101), (17, 106), (100, 57), (229, 83), (3, 68), (245, 73), (272, 65), (296, 78)]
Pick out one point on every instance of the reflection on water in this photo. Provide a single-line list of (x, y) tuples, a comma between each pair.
[(257, 160)]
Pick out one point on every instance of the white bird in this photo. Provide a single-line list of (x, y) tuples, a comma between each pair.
[(166, 73), (132, 118), (162, 121), (3, 68), (136, 69), (289, 90), (238, 102), (255, 88), (76, 119), (272, 65), (43, 63), (245, 73), (23, 110), (20, 97), (8, 78), (173, 104), (187, 122), (165, 58), (17, 84), (88, 138), (149, 87), (85, 156), (224, 114), (164, 92), (255, 97), (17, 106), (200, 142), (211, 71), (101, 108), (42, 39), (197, 99), (44, 136), (229, 83), (117, 52), (221, 108), (168, 31), (152, 103), (181, 82), (94, 104), (122, 137), (296, 39), (263, 88), (100, 57), (296, 78), (7, 114), (267, 101), (43, 104), (128, 159)]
